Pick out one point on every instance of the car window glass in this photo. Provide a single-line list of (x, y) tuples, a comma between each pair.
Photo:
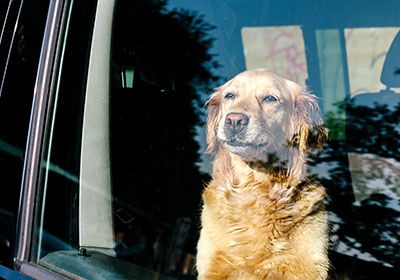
[(20, 44), (9, 11), (57, 214), (125, 167)]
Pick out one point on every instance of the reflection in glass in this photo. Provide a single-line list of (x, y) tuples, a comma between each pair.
[(156, 177), (365, 207), (279, 49)]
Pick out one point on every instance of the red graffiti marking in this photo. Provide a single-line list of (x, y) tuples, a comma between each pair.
[(283, 46)]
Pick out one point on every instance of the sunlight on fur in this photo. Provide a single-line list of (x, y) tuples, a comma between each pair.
[(262, 218)]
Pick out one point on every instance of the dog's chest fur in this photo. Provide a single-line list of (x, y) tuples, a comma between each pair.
[(254, 220)]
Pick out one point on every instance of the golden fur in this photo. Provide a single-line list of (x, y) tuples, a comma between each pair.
[(262, 218)]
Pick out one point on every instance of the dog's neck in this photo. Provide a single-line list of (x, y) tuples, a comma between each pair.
[(293, 161), (230, 169)]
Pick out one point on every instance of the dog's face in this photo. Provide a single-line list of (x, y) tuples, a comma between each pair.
[(258, 113)]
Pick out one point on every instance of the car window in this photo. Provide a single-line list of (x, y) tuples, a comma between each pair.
[(21, 34), (58, 212), (123, 164)]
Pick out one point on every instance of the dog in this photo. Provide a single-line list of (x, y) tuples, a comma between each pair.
[(262, 218)]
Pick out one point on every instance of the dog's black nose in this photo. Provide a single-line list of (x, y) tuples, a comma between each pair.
[(236, 122)]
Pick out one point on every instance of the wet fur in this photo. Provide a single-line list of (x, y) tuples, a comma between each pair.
[(262, 218)]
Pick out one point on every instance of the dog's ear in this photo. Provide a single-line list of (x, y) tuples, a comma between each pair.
[(213, 117), (309, 130)]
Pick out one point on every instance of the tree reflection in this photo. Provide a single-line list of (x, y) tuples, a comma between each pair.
[(362, 163), (154, 153)]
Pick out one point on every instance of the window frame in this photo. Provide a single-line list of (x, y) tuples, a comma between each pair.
[(42, 112), (49, 62), (46, 81)]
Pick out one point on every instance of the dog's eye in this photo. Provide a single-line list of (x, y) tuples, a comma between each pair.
[(270, 98), (229, 95)]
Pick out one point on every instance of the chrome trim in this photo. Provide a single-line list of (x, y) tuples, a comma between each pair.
[(42, 94)]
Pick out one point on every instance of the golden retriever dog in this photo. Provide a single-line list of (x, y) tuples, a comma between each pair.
[(262, 218)]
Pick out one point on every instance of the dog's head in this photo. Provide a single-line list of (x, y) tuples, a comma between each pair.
[(258, 113)]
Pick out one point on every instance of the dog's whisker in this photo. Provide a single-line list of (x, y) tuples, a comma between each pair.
[(274, 142)]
